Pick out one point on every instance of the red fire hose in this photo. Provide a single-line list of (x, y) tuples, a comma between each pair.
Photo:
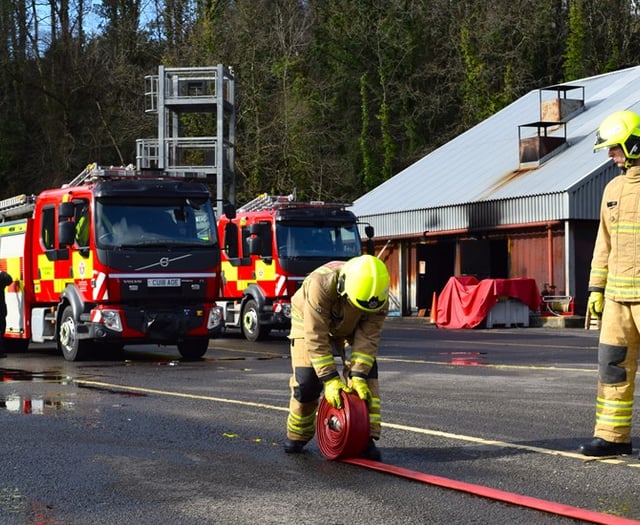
[(344, 433)]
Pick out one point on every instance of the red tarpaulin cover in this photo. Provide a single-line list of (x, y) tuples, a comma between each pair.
[(464, 302)]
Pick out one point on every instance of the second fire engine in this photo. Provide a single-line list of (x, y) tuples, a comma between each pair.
[(269, 245)]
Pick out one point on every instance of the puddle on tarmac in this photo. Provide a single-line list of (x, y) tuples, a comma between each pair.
[(38, 406), (32, 404), (25, 404), (465, 358), (51, 376)]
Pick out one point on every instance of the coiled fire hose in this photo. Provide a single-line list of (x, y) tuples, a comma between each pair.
[(343, 434)]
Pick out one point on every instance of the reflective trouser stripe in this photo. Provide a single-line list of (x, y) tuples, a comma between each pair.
[(302, 415), (301, 426), (375, 419), (614, 413), (618, 361)]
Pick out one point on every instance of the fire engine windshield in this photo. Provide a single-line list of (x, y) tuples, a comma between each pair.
[(134, 224), (340, 241)]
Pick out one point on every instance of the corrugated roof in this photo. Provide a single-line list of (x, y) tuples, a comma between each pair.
[(475, 180)]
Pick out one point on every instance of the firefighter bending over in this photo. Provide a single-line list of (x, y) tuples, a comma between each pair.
[(339, 310), (614, 286)]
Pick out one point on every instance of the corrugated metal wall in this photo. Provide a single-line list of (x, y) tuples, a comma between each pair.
[(585, 198), (529, 257), (485, 214), (389, 253)]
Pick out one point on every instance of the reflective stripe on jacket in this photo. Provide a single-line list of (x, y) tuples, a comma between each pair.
[(615, 267)]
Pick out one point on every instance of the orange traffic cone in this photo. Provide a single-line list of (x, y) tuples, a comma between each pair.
[(434, 309)]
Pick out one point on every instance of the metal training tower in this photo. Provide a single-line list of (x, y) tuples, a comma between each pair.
[(175, 95)]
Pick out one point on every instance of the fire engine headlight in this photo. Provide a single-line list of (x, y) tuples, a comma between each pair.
[(111, 319), (285, 309), (215, 318)]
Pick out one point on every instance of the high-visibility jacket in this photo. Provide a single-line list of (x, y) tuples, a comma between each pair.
[(327, 320), (615, 267)]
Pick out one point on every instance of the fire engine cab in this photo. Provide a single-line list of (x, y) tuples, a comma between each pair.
[(115, 257), (269, 246)]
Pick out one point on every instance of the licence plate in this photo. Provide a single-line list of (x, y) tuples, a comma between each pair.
[(163, 283)]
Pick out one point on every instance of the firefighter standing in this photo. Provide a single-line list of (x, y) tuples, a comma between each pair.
[(339, 309), (614, 286), (5, 280)]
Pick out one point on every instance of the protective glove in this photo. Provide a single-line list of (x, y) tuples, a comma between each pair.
[(332, 389), (596, 303), (361, 388)]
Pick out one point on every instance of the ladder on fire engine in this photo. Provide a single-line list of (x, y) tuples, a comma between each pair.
[(23, 205), (17, 206), (93, 171), (265, 201)]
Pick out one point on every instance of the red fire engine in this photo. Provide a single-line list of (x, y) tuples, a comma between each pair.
[(269, 245), (115, 257)]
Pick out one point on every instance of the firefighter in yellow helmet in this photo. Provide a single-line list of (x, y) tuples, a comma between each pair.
[(614, 286), (339, 310)]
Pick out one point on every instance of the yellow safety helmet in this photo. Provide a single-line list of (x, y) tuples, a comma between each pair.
[(364, 280), (621, 128)]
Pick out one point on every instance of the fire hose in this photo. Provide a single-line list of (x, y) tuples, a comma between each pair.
[(343, 434)]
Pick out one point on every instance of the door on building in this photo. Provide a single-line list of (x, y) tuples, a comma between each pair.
[(435, 264)]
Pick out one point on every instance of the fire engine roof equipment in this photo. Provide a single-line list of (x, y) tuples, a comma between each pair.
[(95, 172), (22, 205), (266, 201), (17, 206)]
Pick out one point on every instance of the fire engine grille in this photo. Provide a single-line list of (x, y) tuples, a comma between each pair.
[(163, 290)]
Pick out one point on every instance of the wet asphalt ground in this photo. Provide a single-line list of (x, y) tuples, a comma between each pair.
[(148, 438)]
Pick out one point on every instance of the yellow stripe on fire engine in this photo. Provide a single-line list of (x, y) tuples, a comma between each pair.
[(229, 271), (45, 268), (60, 284), (13, 268), (265, 272), (13, 228), (82, 266)]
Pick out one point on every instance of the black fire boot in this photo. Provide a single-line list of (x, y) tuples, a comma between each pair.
[(598, 447), (371, 452), (294, 446)]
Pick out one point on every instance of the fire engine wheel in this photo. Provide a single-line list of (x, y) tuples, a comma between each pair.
[(68, 343), (193, 348), (251, 327)]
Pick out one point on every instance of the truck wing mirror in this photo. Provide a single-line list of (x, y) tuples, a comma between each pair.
[(65, 211), (255, 245), (66, 233), (368, 230)]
